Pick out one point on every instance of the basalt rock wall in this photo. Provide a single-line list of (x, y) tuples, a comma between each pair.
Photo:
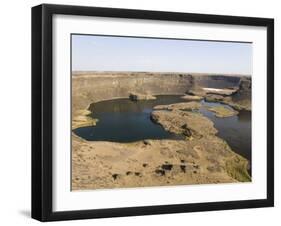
[(245, 89), (216, 81), (87, 89), (93, 87)]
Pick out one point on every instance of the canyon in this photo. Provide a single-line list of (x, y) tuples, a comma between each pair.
[(201, 157)]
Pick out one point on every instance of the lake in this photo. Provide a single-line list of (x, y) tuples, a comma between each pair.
[(123, 120)]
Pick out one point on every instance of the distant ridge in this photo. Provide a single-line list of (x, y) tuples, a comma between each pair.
[(77, 73)]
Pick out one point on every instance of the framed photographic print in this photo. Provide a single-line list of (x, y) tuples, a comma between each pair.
[(145, 112)]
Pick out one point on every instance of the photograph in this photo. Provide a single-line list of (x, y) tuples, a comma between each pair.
[(141, 112), (154, 111)]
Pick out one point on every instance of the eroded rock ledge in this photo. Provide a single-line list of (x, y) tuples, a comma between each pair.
[(141, 96), (222, 112), (190, 124), (192, 97), (179, 106), (83, 118), (200, 130), (238, 97)]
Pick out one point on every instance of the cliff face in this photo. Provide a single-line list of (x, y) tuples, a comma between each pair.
[(92, 87), (87, 89), (245, 89), (216, 81)]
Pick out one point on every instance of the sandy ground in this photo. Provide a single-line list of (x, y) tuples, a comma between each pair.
[(149, 163)]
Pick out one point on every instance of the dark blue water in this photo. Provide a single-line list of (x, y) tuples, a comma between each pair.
[(123, 120), (235, 130)]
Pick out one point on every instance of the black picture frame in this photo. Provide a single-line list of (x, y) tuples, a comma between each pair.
[(42, 107)]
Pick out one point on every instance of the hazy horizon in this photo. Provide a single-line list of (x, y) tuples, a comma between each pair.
[(130, 54)]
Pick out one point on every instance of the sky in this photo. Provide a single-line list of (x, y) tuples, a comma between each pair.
[(109, 53)]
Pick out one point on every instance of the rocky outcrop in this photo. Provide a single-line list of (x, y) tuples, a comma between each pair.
[(241, 105), (216, 81), (197, 91), (242, 99), (238, 98), (245, 85), (214, 98), (222, 92), (222, 112), (139, 96), (200, 130), (83, 118), (179, 106), (190, 124), (192, 97)]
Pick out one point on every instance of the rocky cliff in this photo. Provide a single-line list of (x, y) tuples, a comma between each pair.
[(245, 89), (216, 81), (89, 87)]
